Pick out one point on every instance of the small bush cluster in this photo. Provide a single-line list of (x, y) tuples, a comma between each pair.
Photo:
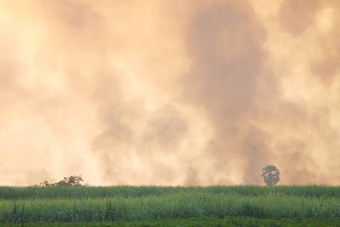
[(67, 181)]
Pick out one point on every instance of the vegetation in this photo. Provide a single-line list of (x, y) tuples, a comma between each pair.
[(65, 192), (132, 204), (271, 175), (189, 222), (67, 181)]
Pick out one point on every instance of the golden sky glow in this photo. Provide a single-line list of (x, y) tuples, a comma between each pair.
[(169, 92)]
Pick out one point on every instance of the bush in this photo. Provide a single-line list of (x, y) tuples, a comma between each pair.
[(67, 181)]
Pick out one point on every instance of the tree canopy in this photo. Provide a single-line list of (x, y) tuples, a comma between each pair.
[(271, 175)]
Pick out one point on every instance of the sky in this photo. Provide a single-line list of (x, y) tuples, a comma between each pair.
[(184, 92)]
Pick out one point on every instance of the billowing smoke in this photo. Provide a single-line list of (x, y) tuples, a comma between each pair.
[(169, 93)]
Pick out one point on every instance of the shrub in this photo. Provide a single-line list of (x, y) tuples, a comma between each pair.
[(67, 181)]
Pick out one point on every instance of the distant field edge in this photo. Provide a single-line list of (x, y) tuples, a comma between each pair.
[(201, 221)]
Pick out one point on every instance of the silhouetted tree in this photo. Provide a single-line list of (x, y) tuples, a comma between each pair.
[(67, 181), (271, 175)]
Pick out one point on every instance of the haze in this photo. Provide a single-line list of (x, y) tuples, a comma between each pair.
[(169, 92)]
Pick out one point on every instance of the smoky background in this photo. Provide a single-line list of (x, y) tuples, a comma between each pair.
[(160, 93)]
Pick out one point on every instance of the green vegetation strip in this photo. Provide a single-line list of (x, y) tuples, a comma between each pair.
[(176, 205), (67, 192), (202, 221)]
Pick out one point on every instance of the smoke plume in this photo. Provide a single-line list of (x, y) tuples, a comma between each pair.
[(169, 93)]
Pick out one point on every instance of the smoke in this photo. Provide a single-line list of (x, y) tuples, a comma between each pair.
[(297, 16), (225, 42), (187, 93)]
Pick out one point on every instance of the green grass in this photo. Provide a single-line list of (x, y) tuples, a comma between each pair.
[(124, 203), (201, 221), (65, 192)]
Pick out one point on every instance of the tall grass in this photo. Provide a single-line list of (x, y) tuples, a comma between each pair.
[(65, 192), (187, 203)]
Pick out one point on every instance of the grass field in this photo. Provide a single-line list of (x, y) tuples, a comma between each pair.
[(152, 206)]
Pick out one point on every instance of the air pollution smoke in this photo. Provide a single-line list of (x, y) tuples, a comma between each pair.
[(169, 93)]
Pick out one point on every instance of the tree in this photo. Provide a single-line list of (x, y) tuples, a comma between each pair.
[(271, 175), (67, 181)]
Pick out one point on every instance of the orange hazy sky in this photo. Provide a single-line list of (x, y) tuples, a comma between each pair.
[(193, 92)]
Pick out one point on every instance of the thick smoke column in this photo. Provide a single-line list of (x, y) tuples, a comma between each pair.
[(180, 93), (225, 46)]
